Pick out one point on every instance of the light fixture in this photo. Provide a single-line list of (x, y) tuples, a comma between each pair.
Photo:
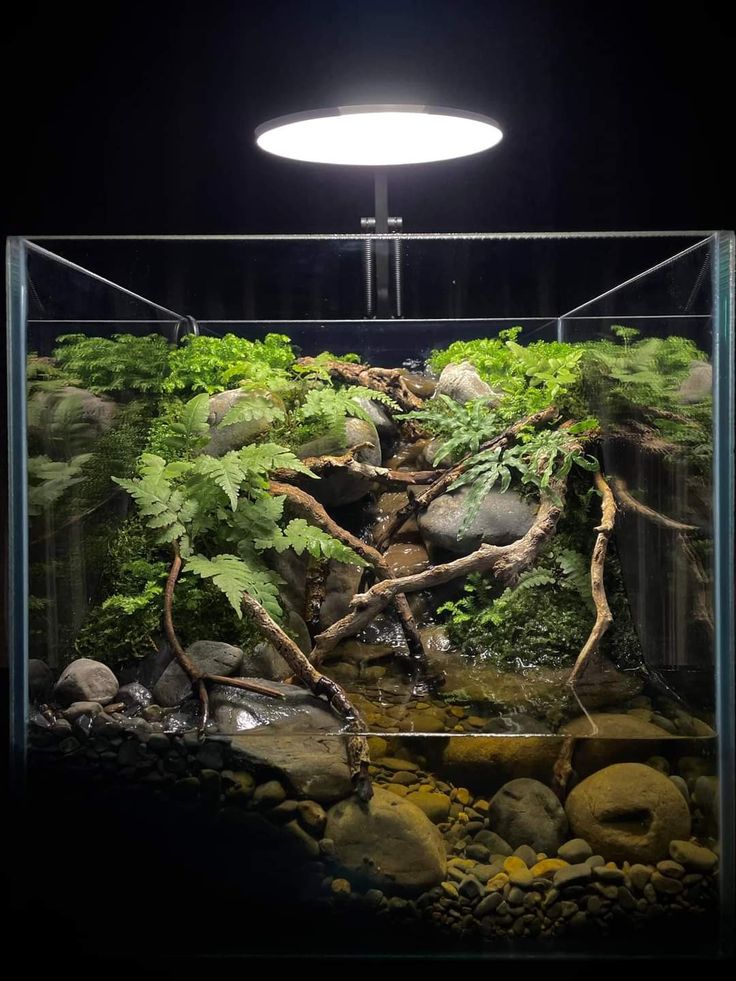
[(381, 137), (378, 135)]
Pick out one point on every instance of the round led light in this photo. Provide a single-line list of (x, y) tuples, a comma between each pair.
[(378, 136)]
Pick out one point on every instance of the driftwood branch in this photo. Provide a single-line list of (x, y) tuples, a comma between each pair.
[(199, 679), (627, 502), (324, 466), (357, 746), (603, 617), (505, 562), (422, 501), (317, 514), (387, 380)]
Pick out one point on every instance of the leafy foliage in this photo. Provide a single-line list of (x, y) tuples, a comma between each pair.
[(123, 363), (211, 364), (233, 576), (49, 480), (256, 408), (301, 536), (461, 428), (324, 410)]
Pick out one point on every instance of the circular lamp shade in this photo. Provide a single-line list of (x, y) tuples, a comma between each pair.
[(378, 136)]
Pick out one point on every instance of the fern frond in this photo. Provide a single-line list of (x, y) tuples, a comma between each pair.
[(234, 577), (300, 536)]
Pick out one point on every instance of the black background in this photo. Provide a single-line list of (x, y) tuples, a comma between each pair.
[(129, 117)]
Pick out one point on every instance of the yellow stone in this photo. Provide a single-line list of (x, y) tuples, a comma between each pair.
[(547, 867), (513, 863), (340, 886), (482, 805), (451, 889), (498, 881), (462, 863), (396, 788), (456, 711), (377, 747)]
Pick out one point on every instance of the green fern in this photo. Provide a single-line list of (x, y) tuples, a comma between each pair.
[(121, 363), (324, 410), (300, 536), (234, 577), (256, 408), (49, 480)]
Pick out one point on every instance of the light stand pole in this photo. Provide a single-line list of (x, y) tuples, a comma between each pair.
[(377, 267)]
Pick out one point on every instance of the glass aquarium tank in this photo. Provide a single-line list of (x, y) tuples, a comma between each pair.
[(373, 594)]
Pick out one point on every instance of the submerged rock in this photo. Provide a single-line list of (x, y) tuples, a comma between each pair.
[(480, 761), (344, 488), (526, 812), (628, 812), (312, 763), (210, 656), (387, 840), (237, 710), (462, 383), (619, 738), (406, 559), (501, 519), (85, 680), (134, 697)]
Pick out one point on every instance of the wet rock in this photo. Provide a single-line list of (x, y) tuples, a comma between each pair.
[(152, 666), (387, 840), (385, 426), (419, 384), (619, 738), (628, 812), (76, 709), (134, 697), (210, 656), (312, 764), (40, 680), (341, 584), (501, 519), (264, 661), (526, 812), (233, 437), (575, 851), (698, 385), (435, 805), (345, 488), (518, 723), (461, 382), (406, 559), (237, 710), (386, 506), (489, 760), (693, 856), (85, 680)]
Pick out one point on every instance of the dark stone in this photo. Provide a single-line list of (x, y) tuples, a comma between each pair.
[(526, 812)]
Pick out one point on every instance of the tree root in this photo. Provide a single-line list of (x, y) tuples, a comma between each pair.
[(504, 561), (199, 679), (357, 746), (324, 466), (319, 516), (603, 617), (441, 484), (628, 502), (563, 768), (387, 380), (314, 592)]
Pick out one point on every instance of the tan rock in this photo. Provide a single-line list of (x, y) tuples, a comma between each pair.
[(628, 811), (489, 761), (388, 840)]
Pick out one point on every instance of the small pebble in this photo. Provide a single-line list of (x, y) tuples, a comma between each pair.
[(575, 851)]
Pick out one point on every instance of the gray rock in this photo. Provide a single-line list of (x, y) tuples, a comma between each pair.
[(210, 656), (264, 661), (501, 519), (227, 438), (494, 843), (698, 385), (40, 680), (693, 856), (153, 665), (345, 488), (85, 680), (575, 851), (526, 812), (341, 585), (385, 426), (388, 841), (236, 710), (134, 697), (517, 722), (572, 875), (314, 766), (462, 383)]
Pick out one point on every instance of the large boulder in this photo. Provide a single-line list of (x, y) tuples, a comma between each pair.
[(501, 519), (85, 680), (210, 656), (226, 438), (481, 761), (385, 426), (526, 812), (628, 812), (616, 738), (462, 383), (344, 488), (238, 710), (312, 763), (341, 584), (388, 841)]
